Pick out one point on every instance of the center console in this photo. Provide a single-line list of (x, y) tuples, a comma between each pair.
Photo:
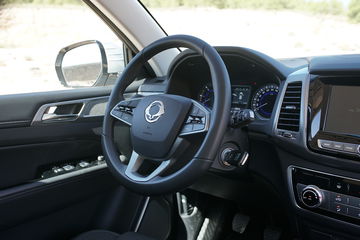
[(333, 128), (326, 138), (334, 116), (327, 194)]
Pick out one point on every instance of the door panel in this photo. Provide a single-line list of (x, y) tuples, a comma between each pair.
[(36, 206), (21, 108)]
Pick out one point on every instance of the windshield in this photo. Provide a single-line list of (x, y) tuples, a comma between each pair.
[(279, 28)]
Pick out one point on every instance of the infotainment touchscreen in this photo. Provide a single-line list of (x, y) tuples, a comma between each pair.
[(343, 111)]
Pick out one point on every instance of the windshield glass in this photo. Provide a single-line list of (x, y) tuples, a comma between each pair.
[(279, 28)]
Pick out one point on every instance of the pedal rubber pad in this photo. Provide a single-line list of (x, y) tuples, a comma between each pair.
[(240, 222)]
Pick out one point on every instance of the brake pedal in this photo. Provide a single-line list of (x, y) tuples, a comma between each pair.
[(240, 222)]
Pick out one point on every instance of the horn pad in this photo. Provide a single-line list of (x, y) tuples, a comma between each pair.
[(156, 124)]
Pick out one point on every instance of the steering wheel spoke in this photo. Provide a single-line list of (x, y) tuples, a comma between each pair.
[(134, 165), (123, 111), (197, 121)]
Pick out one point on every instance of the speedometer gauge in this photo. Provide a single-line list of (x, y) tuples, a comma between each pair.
[(206, 96), (264, 100)]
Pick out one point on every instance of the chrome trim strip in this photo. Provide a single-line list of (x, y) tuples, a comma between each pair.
[(302, 76), (142, 214), (72, 174), (145, 94), (15, 122), (134, 164)]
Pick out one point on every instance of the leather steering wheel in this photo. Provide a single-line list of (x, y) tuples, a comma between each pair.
[(160, 123)]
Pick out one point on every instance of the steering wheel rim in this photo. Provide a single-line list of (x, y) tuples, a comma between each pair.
[(219, 119)]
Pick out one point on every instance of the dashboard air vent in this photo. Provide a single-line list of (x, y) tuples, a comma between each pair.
[(289, 118)]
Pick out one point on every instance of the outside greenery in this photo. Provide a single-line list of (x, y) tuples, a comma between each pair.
[(354, 11), (322, 6), (333, 7)]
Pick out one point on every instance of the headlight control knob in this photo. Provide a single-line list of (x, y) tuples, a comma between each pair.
[(312, 196)]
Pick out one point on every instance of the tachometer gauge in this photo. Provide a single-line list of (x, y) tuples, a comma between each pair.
[(264, 100), (206, 96)]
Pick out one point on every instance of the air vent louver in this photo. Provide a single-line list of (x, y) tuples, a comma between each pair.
[(289, 118)]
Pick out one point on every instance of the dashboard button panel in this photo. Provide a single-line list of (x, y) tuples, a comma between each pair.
[(340, 147), (72, 167), (339, 208), (197, 120), (326, 194)]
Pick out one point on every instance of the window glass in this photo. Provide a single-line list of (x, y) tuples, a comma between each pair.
[(32, 32), (279, 28)]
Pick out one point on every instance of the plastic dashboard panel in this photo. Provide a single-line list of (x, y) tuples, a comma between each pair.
[(335, 65), (295, 151), (247, 68)]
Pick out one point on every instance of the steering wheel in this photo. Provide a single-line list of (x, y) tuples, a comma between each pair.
[(159, 124)]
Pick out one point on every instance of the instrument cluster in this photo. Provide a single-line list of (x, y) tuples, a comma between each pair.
[(258, 97)]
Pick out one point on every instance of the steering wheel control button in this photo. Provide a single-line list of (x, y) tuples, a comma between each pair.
[(197, 120), (133, 103), (126, 118), (198, 126), (188, 128), (312, 196), (123, 111), (197, 111), (194, 111)]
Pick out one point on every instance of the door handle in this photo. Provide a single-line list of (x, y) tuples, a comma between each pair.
[(64, 112), (59, 117)]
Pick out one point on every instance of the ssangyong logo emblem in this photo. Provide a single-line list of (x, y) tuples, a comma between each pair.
[(154, 111)]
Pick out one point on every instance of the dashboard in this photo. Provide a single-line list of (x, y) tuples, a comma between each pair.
[(253, 85), (260, 99), (305, 140)]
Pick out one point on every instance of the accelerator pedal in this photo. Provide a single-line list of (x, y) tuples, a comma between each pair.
[(240, 222)]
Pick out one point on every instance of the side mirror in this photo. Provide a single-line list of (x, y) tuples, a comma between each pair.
[(86, 64)]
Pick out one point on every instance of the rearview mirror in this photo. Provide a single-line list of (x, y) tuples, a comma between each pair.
[(85, 64)]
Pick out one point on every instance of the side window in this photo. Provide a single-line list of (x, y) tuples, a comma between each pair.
[(55, 46)]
